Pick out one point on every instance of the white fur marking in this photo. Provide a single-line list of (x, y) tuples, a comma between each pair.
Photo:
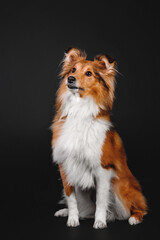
[(103, 183), (61, 213), (79, 146), (133, 221), (73, 219), (98, 224)]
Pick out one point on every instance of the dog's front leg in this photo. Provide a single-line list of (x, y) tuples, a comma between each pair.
[(103, 178), (73, 215)]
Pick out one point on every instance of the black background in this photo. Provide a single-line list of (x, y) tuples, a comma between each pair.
[(33, 37)]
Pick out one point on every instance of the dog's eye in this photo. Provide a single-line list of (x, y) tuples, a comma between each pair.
[(73, 70), (88, 74)]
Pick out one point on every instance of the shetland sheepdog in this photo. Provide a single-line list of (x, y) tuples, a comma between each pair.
[(89, 152)]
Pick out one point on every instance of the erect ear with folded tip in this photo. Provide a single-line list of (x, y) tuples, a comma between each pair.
[(107, 71), (72, 55), (106, 63)]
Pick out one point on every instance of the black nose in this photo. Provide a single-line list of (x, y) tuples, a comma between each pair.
[(71, 79)]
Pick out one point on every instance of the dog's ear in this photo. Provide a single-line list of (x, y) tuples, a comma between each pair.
[(71, 56), (106, 63), (107, 70)]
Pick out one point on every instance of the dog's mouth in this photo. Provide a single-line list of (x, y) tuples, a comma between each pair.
[(71, 86)]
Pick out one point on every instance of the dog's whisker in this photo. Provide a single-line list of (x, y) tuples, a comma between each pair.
[(119, 72)]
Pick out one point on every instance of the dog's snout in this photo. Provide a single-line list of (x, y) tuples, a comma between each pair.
[(71, 79)]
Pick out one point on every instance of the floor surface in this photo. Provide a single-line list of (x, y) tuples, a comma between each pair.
[(50, 227)]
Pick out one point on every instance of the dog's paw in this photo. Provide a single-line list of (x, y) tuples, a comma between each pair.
[(61, 213), (72, 222), (98, 224), (133, 221)]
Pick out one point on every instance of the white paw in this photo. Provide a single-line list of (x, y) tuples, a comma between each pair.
[(98, 224), (72, 222), (133, 221), (61, 213)]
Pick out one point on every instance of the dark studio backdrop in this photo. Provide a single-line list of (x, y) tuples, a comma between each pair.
[(33, 37)]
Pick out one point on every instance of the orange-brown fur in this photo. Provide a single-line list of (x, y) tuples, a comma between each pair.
[(113, 154), (125, 184), (67, 188)]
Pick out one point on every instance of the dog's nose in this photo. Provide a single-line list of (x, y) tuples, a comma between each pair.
[(71, 79)]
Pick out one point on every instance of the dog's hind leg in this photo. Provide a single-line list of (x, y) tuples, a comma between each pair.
[(61, 213), (129, 191)]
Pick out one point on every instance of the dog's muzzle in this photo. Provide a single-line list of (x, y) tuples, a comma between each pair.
[(71, 82)]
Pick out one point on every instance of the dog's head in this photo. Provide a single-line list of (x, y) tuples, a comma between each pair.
[(90, 78)]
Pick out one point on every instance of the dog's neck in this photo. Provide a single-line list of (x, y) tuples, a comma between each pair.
[(73, 106)]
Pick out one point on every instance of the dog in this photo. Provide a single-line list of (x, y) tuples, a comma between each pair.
[(89, 152)]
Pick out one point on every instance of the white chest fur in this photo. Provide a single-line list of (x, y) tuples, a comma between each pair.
[(79, 145)]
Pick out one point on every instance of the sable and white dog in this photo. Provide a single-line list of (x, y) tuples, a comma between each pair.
[(89, 152)]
